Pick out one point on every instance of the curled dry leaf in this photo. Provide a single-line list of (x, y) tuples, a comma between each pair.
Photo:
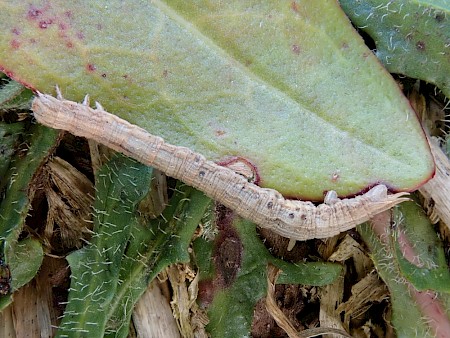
[(265, 207)]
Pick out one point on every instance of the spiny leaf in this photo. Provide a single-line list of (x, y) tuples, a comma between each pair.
[(289, 86), (235, 276), (412, 37), (121, 184), (14, 207), (153, 247), (111, 273)]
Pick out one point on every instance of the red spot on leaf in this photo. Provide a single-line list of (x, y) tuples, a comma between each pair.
[(34, 13), (45, 23), (69, 44), (91, 67), (294, 6), (15, 44), (295, 49), (335, 177), (219, 132)]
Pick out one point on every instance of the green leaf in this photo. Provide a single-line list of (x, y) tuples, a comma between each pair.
[(111, 273), (16, 202), (15, 205), (429, 270), (233, 272), (9, 135), (14, 96), (415, 313), (289, 86), (121, 184), (25, 258), (18, 170), (153, 247), (24, 261), (412, 37)]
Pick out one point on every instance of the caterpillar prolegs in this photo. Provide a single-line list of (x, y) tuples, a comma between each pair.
[(266, 207)]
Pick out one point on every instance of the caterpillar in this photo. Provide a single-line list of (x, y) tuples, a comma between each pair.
[(294, 219)]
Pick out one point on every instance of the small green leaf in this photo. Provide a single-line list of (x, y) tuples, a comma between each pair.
[(24, 261), (13, 95), (25, 258), (290, 86), (412, 37)]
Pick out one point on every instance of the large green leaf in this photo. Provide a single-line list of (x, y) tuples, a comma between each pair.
[(290, 86)]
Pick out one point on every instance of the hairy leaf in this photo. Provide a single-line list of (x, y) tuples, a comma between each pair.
[(15, 204), (412, 37), (154, 246), (111, 273), (95, 269), (9, 136), (412, 263)]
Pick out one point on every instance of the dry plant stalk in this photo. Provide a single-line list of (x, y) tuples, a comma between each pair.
[(435, 191), (266, 207), (281, 319)]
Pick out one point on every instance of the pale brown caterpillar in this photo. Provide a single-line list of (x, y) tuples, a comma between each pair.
[(266, 207)]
